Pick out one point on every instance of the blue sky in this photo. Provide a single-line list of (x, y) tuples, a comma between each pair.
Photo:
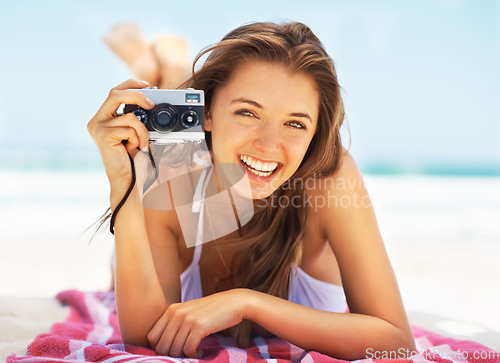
[(420, 78)]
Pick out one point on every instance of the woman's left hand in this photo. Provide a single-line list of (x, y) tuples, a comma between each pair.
[(182, 327)]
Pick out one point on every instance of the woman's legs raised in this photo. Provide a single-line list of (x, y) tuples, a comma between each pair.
[(164, 64), (171, 53), (128, 43)]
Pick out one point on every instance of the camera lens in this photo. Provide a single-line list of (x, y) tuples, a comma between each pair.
[(189, 119), (163, 117)]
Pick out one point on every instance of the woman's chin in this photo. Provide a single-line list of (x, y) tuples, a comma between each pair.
[(251, 191)]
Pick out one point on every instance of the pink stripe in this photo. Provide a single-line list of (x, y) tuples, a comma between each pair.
[(230, 353)]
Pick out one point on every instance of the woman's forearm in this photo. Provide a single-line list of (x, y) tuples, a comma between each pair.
[(139, 297), (340, 335)]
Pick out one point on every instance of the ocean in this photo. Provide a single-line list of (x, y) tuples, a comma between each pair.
[(88, 158)]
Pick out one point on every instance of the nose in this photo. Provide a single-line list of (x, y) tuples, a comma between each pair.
[(268, 138)]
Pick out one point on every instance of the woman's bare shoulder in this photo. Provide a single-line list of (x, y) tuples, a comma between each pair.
[(347, 179), (343, 190)]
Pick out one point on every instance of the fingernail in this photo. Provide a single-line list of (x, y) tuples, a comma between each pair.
[(145, 148), (144, 82), (151, 103)]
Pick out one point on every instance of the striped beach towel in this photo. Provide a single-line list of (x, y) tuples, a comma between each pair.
[(90, 334)]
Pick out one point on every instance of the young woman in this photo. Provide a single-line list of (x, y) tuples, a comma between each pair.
[(313, 247)]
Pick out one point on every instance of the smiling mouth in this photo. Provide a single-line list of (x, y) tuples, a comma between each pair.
[(259, 168)]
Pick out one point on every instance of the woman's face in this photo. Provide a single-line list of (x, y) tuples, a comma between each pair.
[(264, 119)]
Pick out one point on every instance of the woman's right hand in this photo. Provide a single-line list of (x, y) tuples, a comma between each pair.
[(109, 131)]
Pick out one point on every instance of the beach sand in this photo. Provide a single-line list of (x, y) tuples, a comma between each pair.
[(442, 235), (443, 238)]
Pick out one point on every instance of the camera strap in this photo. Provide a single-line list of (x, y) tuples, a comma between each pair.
[(124, 199)]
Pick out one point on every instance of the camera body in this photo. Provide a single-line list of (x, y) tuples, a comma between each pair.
[(177, 117)]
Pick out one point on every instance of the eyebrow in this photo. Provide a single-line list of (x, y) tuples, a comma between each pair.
[(258, 105)]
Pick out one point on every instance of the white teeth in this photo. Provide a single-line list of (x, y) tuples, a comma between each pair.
[(258, 167), (260, 173)]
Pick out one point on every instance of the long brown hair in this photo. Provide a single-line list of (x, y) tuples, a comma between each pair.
[(273, 243)]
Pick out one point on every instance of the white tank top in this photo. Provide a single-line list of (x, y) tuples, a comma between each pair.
[(305, 290)]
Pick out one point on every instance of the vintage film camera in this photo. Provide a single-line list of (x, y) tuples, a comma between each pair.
[(177, 117)]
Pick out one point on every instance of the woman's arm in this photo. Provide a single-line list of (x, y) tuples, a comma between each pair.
[(346, 336), (144, 289), (377, 318), (340, 335), (140, 296)]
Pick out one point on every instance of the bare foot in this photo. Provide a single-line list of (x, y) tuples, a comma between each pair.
[(128, 43), (172, 56)]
